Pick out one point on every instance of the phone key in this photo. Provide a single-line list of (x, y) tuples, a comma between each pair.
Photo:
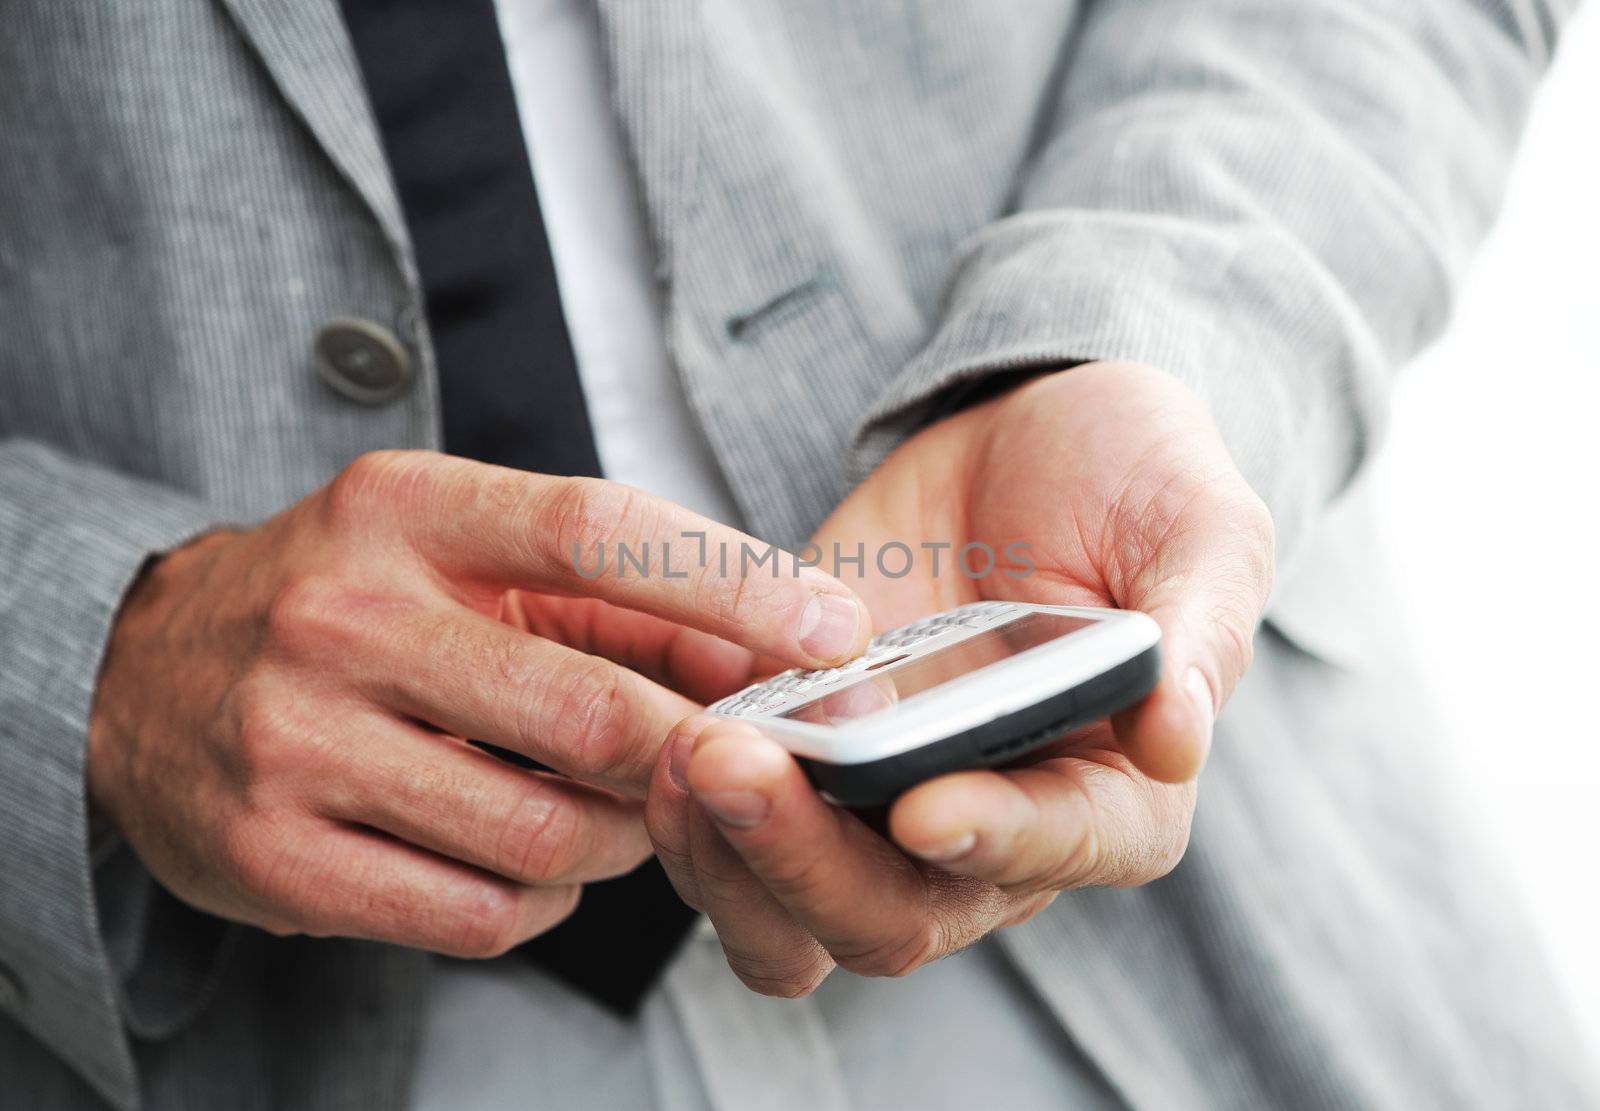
[(907, 634), (980, 613)]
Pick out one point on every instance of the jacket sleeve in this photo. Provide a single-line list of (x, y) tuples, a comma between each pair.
[(72, 537), (1272, 199)]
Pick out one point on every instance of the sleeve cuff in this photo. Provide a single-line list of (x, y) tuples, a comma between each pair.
[(1240, 315), (72, 538)]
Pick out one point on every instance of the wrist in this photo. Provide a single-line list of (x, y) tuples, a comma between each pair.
[(145, 612)]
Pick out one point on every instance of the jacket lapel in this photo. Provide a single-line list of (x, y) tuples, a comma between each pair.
[(305, 48), (654, 53)]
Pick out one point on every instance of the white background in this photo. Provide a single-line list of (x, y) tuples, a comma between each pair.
[(1490, 484)]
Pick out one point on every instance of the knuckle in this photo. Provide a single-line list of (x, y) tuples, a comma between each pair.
[(1097, 858), (1163, 826), (375, 479), (427, 787), (588, 514), (787, 976), (538, 838), (320, 616), (735, 600), (1081, 862), (486, 923), (593, 717), (258, 738), (297, 606), (1085, 858)]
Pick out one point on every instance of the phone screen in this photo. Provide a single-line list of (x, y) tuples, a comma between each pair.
[(885, 685)]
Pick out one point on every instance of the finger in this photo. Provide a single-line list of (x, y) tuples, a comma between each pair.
[(1168, 735), (764, 946), (667, 809), (497, 528), (1206, 589), (349, 882), (1063, 823), (472, 676), (440, 794), (697, 665), (875, 911)]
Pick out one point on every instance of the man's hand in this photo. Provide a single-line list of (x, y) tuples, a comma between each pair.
[(278, 725), (1116, 477)]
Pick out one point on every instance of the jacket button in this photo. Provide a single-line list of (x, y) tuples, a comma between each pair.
[(362, 360), (12, 995)]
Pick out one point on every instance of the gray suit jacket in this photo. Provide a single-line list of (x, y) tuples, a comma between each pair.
[(858, 207)]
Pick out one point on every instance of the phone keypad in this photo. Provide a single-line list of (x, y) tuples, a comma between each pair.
[(762, 697)]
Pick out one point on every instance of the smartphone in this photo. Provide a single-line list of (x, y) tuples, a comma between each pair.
[(974, 687)]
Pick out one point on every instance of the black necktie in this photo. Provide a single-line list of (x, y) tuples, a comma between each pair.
[(437, 78)]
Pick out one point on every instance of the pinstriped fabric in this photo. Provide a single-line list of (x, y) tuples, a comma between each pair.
[(856, 205), (211, 237), (67, 558), (655, 52)]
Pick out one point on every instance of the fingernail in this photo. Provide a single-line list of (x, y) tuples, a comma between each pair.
[(678, 762), (739, 809), (829, 626), (951, 850)]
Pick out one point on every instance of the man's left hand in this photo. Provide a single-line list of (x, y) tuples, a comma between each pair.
[(1116, 479)]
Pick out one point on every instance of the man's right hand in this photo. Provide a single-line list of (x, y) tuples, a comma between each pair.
[(278, 725)]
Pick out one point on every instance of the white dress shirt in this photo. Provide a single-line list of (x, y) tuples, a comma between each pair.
[(962, 1033), (642, 424)]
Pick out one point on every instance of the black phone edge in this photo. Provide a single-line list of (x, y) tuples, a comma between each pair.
[(997, 742)]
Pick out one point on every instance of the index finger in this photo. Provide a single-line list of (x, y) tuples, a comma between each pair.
[(497, 528)]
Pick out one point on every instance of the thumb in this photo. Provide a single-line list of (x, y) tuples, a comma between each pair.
[(1206, 591)]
